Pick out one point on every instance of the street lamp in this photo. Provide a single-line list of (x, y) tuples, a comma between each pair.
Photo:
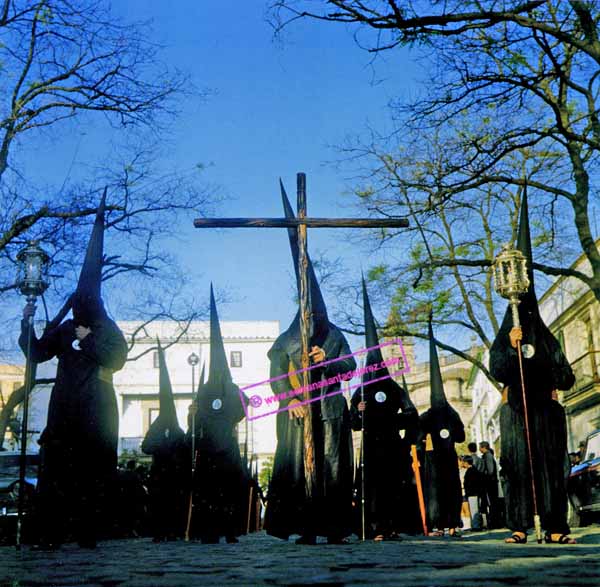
[(193, 360), (32, 281)]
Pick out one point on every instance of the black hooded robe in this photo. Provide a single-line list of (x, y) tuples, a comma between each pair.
[(169, 482), (440, 472), (79, 444), (548, 429), (220, 482), (390, 502), (546, 370), (329, 512), (441, 428)]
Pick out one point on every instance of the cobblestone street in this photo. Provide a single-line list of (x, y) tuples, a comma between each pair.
[(477, 560)]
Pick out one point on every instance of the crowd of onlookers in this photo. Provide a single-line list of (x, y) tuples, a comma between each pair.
[(483, 506)]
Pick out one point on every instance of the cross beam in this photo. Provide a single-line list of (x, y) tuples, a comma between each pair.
[(296, 222), (301, 223)]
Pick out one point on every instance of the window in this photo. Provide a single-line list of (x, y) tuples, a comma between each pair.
[(155, 359), (235, 359)]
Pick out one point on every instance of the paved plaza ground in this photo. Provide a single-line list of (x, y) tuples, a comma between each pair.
[(480, 559)]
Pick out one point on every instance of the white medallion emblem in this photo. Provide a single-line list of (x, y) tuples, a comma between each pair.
[(528, 350), (217, 403), (380, 397), (444, 433)]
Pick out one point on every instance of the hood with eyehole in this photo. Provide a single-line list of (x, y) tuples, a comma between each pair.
[(551, 368), (395, 395), (86, 302)]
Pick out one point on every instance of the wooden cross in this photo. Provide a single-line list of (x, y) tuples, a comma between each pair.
[(301, 222)]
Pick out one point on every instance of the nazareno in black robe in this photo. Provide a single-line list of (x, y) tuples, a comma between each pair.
[(289, 509), (78, 447), (329, 512), (547, 370), (441, 428), (79, 443), (170, 473), (221, 481), (390, 500)]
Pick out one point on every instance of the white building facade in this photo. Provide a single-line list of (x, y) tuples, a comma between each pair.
[(136, 385)]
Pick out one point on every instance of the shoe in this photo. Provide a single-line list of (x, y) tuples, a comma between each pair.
[(311, 540), (562, 539), (337, 540), (231, 540), (89, 543), (517, 538), (45, 546)]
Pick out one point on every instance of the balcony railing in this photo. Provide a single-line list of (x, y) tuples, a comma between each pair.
[(130, 444), (585, 369)]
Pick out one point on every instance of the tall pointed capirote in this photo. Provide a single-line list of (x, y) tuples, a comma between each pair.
[(201, 381), (317, 308), (406, 404), (524, 242), (167, 412), (88, 292), (218, 372), (374, 356), (438, 397)]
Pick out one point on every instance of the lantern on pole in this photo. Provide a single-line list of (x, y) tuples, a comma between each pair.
[(510, 278), (32, 281)]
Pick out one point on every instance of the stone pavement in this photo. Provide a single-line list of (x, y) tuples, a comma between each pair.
[(477, 560)]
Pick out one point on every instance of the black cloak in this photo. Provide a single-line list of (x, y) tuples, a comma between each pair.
[(441, 428), (289, 509), (220, 482), (79, 443), (390, 423), (170, 472), (545, 371)]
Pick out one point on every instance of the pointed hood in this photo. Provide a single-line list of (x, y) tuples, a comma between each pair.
[(524, 240), (201, 381), (87, 300), (437, 397), (374, 356), (551, 367), (165, 430), (406, 404), (165, 392), (319, 321), (218, 372)]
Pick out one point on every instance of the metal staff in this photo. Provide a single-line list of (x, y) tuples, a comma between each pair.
[(511, 281), (193, 405), (362, 457), (32, 281)]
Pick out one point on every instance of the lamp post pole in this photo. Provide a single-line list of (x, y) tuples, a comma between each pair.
[(32, 281)]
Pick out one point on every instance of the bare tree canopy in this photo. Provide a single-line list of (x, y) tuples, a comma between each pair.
[(509, 98), (62, 58)]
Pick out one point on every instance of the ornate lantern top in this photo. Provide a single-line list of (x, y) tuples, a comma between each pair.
[(510, 273), (32, 277)]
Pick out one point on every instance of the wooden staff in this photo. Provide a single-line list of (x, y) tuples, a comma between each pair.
[(514, 303), (309, 458), (416, 466), (250, 494)]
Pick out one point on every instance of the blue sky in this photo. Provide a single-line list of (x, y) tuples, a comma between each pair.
[(275, 108)]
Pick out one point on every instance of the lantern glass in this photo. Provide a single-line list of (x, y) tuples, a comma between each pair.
[(32, 277), (193, 359), (510, 273)]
